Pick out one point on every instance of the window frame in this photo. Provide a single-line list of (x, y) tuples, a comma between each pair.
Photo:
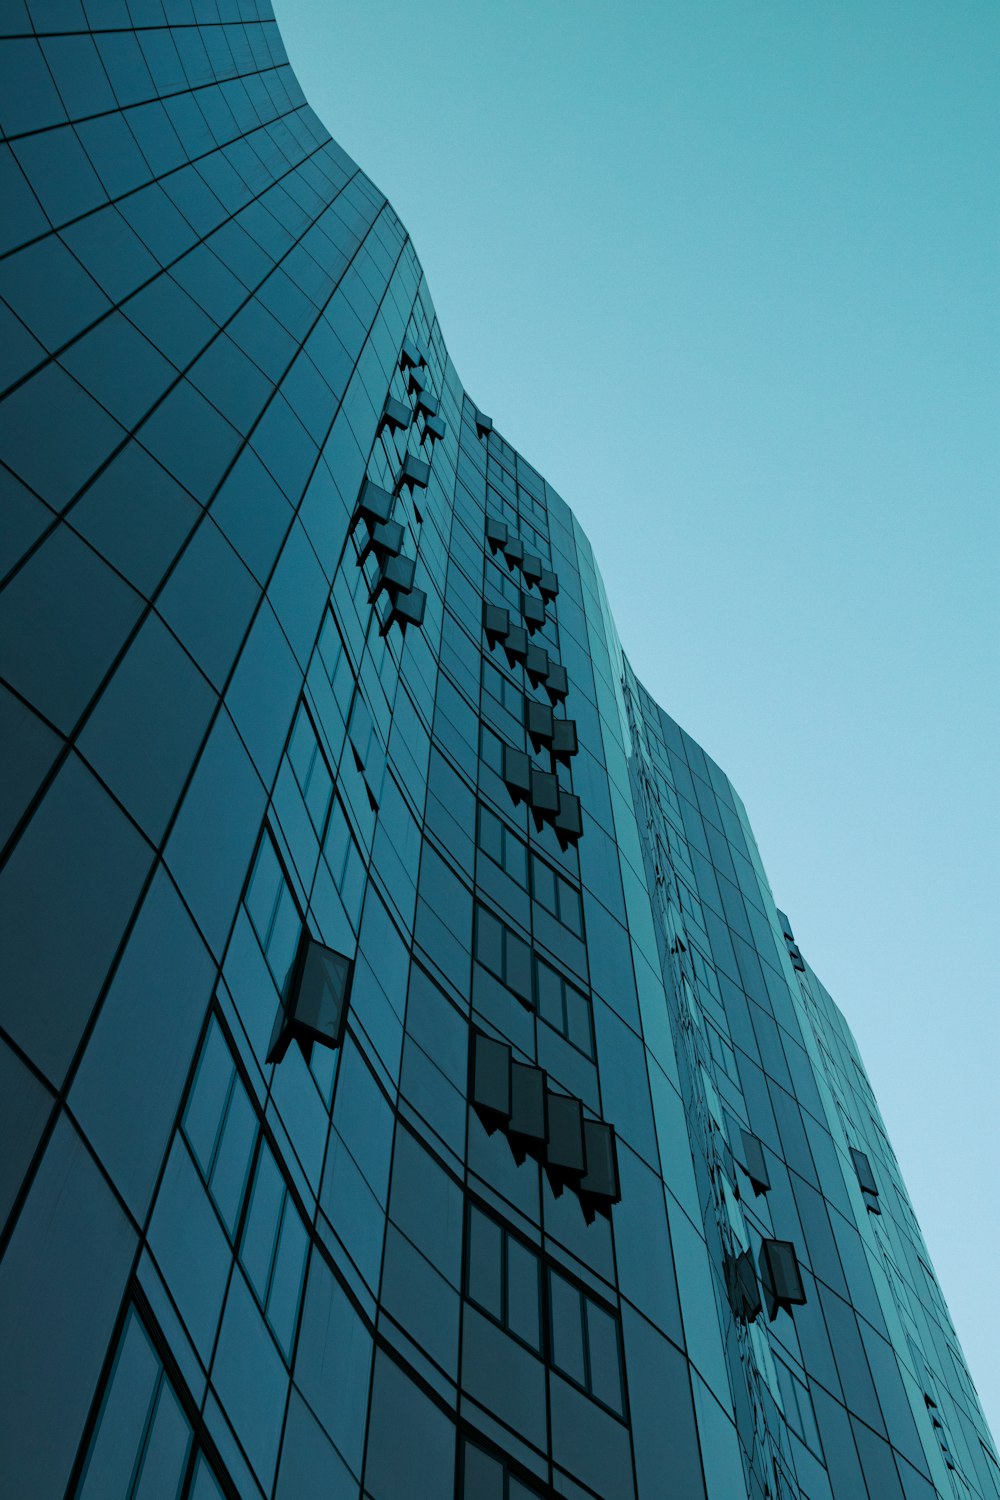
[(547, 1269), (507, 1236), (586, 1297)]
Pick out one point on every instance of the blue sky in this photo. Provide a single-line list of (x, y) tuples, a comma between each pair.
[(727, 274)]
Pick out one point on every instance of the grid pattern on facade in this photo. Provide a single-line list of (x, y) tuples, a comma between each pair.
[(300, 656)]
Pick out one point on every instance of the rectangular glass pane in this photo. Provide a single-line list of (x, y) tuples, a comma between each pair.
[(121, 1425), (165, 1459), (482, 1475), (232, 1161), (262, 892), (261, 1229), (286, 1278), (490, 835), (318, 790), (283, 938), (543, 885), (516, 860), (550, 995), (570, 910), (489, 941), (517, 965), (522, 1292), (566, 1315), (484, 1273), (302, 748), (205, 1486), (578, 1024), (338, 840), (605, 1367), (209, 1094)]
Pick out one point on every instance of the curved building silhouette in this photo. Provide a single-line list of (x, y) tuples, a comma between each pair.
[(408, 1085)]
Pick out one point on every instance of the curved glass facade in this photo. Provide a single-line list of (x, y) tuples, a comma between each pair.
[(409, 1086)]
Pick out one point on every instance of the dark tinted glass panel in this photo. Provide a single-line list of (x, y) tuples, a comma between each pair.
[(566, 1317), (484, 1274)]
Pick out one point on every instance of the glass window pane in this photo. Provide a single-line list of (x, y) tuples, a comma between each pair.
[(331, 648), (491, 751), (484, 1276), (605, 1370), (207, 1103), (517, 974), (286, 1278), (490, 835), (265, 883), (522, 1292), (260, 1233), (570, 909), (165, 1459), (578, 1027), (550, 996), (283, 938), (567, 1327), (122, 1422), (302, 748), (232, 1161), (489, 941), (318, 791), (787, 1388), (482, 1476), (205, 1486), (544, 884), (807, 1417), (516, 860), (338, 841)]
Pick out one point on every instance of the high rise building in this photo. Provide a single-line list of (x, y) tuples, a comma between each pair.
[(408, 1085)]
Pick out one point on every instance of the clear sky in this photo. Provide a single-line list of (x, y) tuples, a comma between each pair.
[(726, 272)]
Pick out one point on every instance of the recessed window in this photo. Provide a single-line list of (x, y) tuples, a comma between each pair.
[(500, 688), (556, 895), (273, 1250), (273, 912), (586, 1342), (503, 846), (142, 1443), (220, 1126), (722, 1052), (504, 954), (798, 1406), (487, 1477), (503, 1278), (310, 768), (565, 1008), (336, 664)]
